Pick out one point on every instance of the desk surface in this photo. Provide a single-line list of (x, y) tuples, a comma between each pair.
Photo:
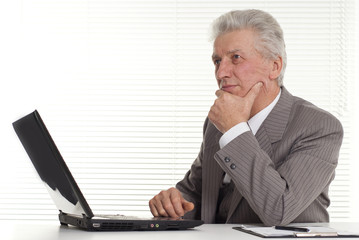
[(40, 230)]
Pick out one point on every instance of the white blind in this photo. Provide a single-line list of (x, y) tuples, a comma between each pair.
[(124, 88)]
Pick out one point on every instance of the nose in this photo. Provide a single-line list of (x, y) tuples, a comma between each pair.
[(224, 70)]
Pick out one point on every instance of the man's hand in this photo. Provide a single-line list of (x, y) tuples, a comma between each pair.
[(170, 203), (228, 109)]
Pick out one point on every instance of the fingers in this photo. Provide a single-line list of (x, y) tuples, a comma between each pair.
[(219, 93), (229, 109), (187, 206), (170, 203), (161, 205), (253, 92)]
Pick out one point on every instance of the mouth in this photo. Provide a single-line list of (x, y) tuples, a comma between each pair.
[(228, 88)]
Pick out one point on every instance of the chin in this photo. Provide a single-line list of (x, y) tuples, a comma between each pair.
[(239, 93)]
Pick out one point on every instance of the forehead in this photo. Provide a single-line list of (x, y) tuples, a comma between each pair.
[(239, 40)]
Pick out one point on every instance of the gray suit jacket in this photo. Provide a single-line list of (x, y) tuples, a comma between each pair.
[(281, 174)]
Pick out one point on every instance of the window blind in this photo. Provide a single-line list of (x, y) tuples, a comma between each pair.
[(124, 88)]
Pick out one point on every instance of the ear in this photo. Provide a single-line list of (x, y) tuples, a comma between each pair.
[(277, 65)]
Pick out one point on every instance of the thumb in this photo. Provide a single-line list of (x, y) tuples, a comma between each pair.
[(254, 91), (187, 206)]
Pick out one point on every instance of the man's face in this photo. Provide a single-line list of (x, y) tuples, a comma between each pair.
[(238, 66)]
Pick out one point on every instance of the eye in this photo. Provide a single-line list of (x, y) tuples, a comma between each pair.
[(216, 61), (236, 56)]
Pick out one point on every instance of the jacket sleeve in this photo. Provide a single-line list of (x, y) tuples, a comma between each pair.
[(279, 192), (191, 185)]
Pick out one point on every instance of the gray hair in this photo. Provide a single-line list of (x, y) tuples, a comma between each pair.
[(270, 41)]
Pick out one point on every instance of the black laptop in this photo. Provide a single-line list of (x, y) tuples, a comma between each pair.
[(66, 194)]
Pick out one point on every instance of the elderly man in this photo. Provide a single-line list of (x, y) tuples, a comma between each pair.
[(266, 156)]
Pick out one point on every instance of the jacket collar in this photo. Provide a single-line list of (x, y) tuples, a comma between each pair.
[(276, 122)]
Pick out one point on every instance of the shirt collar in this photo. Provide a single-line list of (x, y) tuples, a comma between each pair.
[(256, 121)]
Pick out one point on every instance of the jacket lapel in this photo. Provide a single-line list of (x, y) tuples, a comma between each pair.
[(274, 125), (212, 179)]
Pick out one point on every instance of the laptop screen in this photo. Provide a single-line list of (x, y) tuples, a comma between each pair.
[(50, 165)]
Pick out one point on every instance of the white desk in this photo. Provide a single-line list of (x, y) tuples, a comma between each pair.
[(40, 230)]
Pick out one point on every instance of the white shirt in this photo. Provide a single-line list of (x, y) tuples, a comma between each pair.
[(253, 125)]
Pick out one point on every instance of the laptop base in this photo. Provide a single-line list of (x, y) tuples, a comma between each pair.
[(127, 224)]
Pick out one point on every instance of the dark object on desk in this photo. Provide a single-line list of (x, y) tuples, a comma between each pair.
[(66, 194), (295, 229)]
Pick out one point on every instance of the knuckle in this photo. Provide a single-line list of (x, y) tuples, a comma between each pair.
[(167, 206), (213, 110), (156, 198), (162, 194), (176, 200), (152, 202)]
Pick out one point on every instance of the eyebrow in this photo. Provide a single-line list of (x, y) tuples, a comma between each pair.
[(227, 53)]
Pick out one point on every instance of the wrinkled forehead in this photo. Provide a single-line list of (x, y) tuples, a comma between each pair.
[(240, 41)]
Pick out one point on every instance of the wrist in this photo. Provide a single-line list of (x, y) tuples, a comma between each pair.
[(232, 133)]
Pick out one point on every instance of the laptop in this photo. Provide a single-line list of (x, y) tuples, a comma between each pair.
[(66, 194)]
